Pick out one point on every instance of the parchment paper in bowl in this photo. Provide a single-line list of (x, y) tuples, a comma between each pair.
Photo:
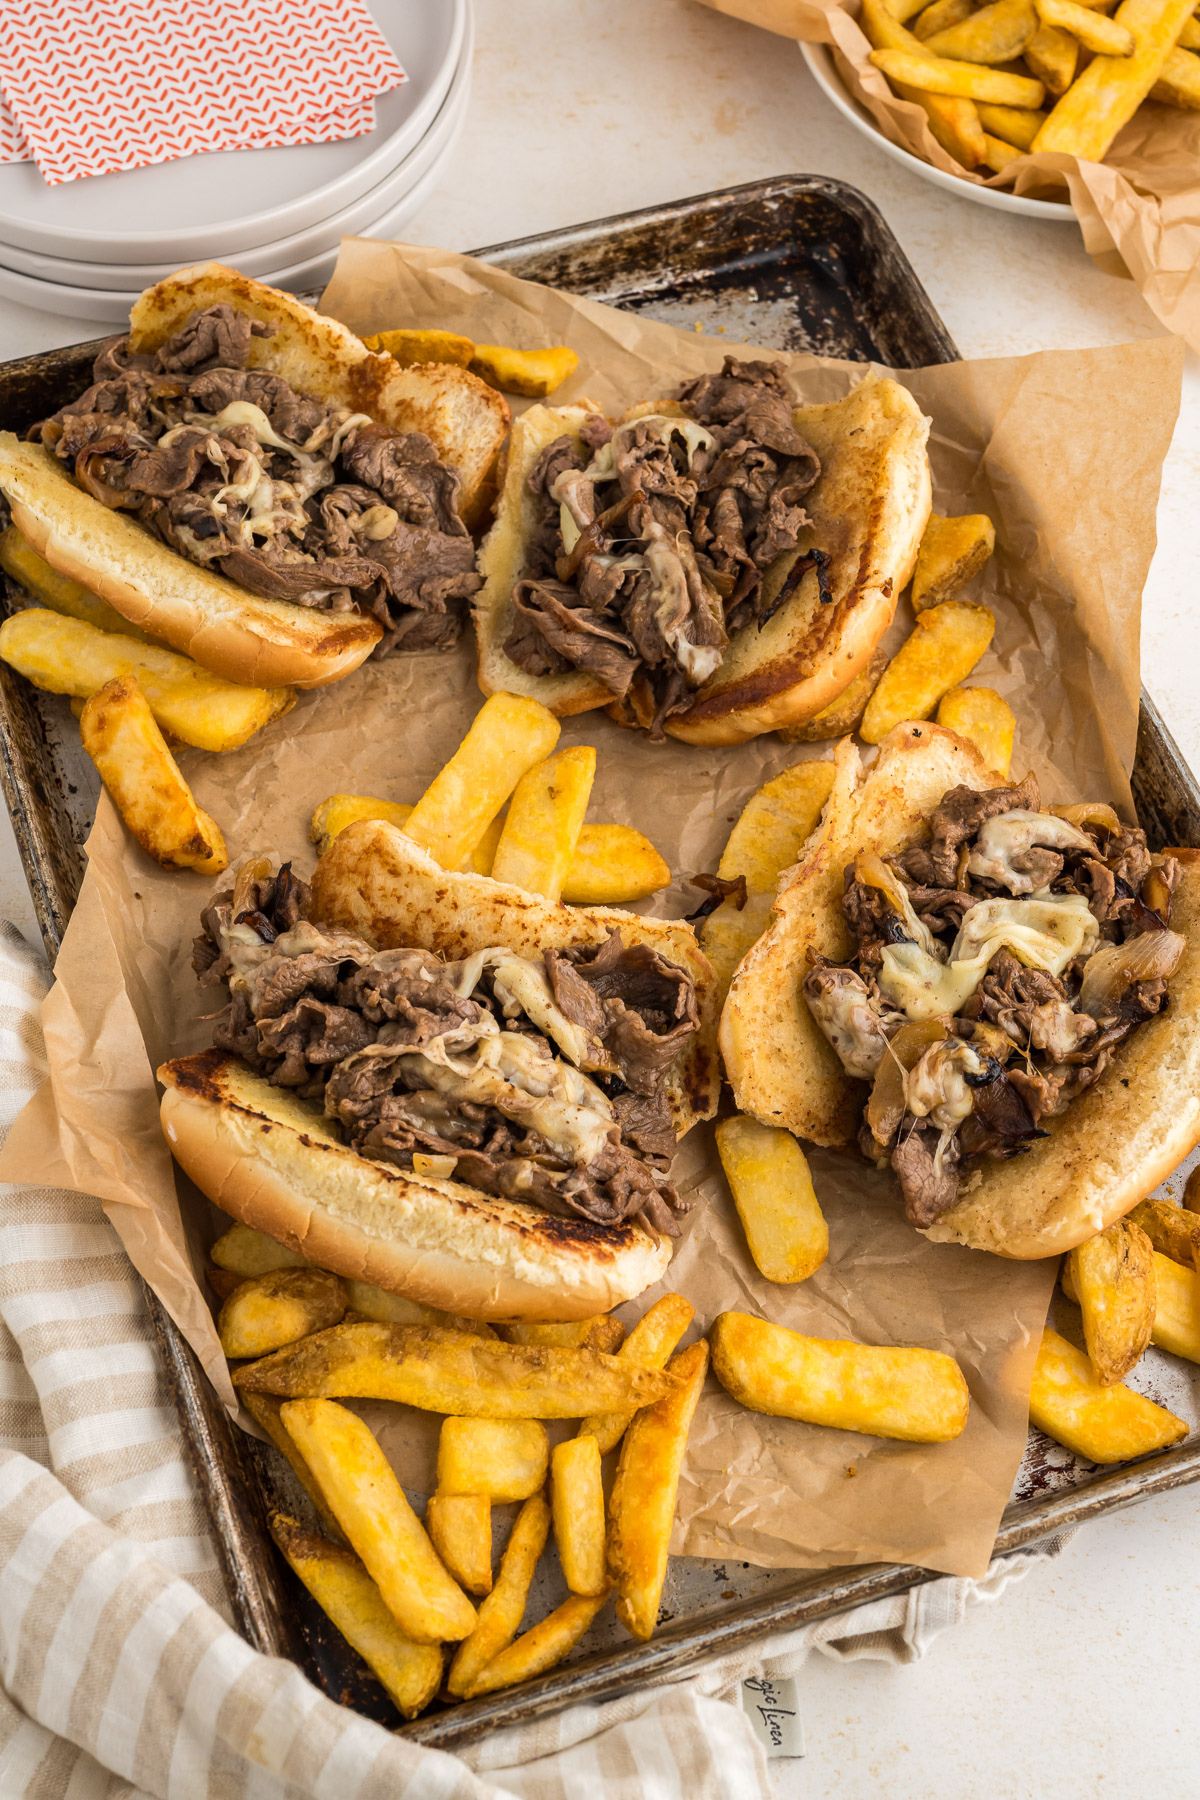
[(1064, 449)]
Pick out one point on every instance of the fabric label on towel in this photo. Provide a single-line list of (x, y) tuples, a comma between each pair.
[(773, 1708)]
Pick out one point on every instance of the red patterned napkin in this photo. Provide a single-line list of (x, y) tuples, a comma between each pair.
[(90, 88)]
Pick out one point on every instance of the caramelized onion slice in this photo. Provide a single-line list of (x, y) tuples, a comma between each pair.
[(1108, 972), (885, 1108), (1092, 812)]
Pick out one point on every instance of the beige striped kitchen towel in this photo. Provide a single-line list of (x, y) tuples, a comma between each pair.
[(120, 1674)]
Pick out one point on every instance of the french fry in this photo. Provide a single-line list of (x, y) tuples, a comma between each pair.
[(501, 1613), (334, 814), (1173, 1230), (1014, 125), (1053, 56), (914, 1394), (66, 656), (979, 713), (264, 1410), (455, 1373), (642, 1506), (1111, 1278), (507, 736), (995, 34), (903, 10), (397, 1309), (267, 1311), (965, 81), (534, 373), (358, 1486), (409, 347), (51, 588), (953, 550), (1177, 1308), (766, 839), (943, 13), (120, 735), (545, 817), (842, 715), (601, 1333), (1108, 93), (540, 1648), (1179, 82), (222, 1281), (954, 123), (245, 1251), (1103, 1424), (506, 1459), (577, 1507), (649, 1344), (1189, 39), (612, 866), (1105, 36), (772, 1188), (944, 646), (460, 1528), (344, 1591)]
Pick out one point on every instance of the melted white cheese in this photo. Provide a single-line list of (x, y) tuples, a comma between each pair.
[(522, 986), (1046, 933)]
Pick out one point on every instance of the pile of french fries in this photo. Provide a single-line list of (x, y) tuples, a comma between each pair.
[(1014, 76)]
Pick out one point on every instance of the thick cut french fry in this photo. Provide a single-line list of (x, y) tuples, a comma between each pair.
[(987, 720), (954, 123), (506, 1459), (1173, 1230), (965, 81), (1177, 1308), (642, 1506), (895, 1392), (1014, 125), (1179, 82), (1189, 39), (121, 736), (245, 1251), (333, 816), (944, 646), (765, 840), (601, 1333), (264, 1409), (938, 17), (344, 1591), (953, 550), (612, 866), (649, 1344), (1111, 1278), (460, 1527), (50, 587), (1108, 93), (1105, 36), (396, 1309), (67, 656), (455, 1373), (995, 34), (903, 10), (222, 1281), (842, 715), (359, 1488), (410, 346), (577, 1506), (268, 1311), (772, 1188), (1103, 1424), (545, 818), (507, 736), (542, 1647), (534, 373), (501, 1613), (1053, 56)]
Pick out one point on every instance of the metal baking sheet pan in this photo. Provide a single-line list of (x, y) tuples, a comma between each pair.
[(799, 262)]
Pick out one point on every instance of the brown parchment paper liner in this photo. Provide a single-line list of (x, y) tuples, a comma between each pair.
[(1064, 450), (1139, 210)]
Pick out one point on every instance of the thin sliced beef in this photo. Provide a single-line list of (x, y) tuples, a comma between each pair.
[(553, 632), (641, 1006), (928, 1181)]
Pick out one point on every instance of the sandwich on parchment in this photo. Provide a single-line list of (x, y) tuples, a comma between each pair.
[(1000, 1000), (716, 565), (246, 481), (444, 1085)]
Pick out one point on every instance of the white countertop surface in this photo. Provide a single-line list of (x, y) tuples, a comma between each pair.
[(1086, 1675)]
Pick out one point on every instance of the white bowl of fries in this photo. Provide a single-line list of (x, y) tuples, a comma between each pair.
[(824, 71)]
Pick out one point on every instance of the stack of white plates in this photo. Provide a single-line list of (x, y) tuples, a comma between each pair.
[(88, 248)]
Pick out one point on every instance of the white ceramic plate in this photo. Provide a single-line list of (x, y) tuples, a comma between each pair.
[(280, 253), (111, 307), (824, 70), (237, 200)]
